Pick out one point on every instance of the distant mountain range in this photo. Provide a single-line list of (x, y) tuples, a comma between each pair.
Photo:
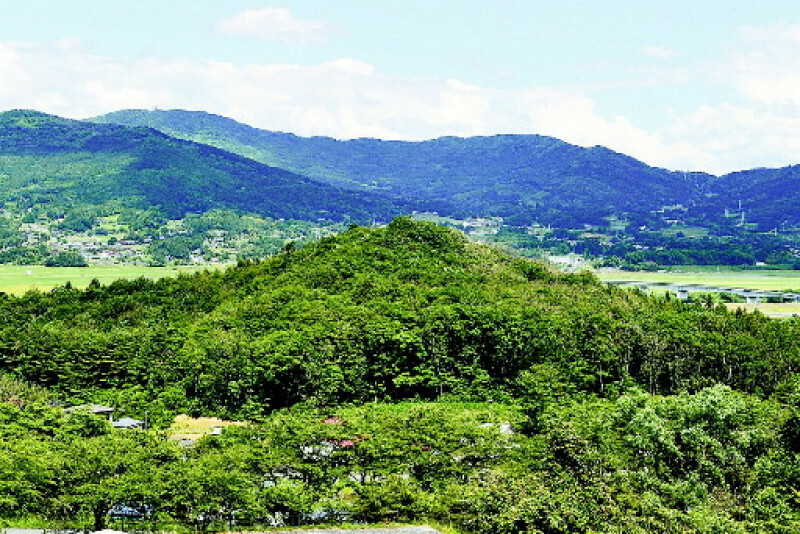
[(768, 197), (524, 178), (190, 162), (64, 164)]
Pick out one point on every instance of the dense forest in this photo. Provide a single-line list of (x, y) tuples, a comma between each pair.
[(60, 167), (404, 374)]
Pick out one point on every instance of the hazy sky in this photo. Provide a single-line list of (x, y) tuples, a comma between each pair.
[(708, 85)]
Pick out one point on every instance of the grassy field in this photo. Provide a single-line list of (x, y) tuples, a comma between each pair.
[(763, 280), (17, 279), (766, 280), (773, 309), (194, 428)]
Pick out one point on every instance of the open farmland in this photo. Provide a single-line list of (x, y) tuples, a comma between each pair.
[(17, 279), (784, 280), (759, 280), (771, 309)]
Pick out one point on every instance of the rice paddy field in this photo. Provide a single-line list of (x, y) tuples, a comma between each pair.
[(763, 280), (17, 279), (772, 309), (766, 280)]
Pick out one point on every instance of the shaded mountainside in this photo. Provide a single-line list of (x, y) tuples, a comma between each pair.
[(47, 160), (769, 197), (524, 177)]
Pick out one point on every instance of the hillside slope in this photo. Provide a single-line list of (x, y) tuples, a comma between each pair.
[(547, 418), (769, 198), (525, 177), (54, 164), (410, 310)]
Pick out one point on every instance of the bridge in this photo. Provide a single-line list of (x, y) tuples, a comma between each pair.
[(751, 296)]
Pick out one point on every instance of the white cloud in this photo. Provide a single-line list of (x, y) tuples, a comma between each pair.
[(760, 126), (275, 24), (782, 89), (731, 137), (659, 52), (766, 68), (14, 78), (574, 117), (347, 98), (343, 98), (348, 66), (772, 35)]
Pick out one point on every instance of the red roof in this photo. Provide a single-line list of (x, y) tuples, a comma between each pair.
[(333, 421)]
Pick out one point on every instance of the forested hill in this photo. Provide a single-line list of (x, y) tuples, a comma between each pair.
[(523, 177), (769, 197), (410, 310), (538, 401), (57, 165)]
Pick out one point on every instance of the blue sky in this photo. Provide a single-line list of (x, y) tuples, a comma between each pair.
[(694, 85)]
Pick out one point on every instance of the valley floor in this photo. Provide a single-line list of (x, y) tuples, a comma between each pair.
[(17, 279), (773, 280)]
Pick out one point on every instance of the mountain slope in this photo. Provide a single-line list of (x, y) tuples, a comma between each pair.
[(47, 160), (546, 419), (411, 309), (769, 197), (527, 177)]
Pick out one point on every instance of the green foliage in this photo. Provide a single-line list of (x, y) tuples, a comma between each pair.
[(708, 462), (16, 391), (564, 405), (175, 247), (9, 234), (66, 259), (79, 221), (531, 179), (411, 310), (73, 176), (142, 220), (58, 168)]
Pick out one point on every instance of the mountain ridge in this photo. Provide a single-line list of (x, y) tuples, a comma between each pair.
[(179, 175), (540, 193), (510, 175), (526, 178)]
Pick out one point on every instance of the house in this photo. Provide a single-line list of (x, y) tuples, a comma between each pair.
[(127, 422), (333, 421), (97, 409)]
